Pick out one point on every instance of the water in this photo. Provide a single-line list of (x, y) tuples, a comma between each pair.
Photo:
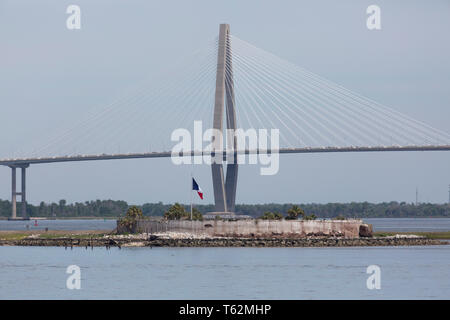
[(410, 224), (379, 224), (225, 273)]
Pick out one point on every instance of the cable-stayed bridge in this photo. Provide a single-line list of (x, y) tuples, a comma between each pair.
[(235, 85)]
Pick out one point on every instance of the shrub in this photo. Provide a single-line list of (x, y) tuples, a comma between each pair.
[(175, 212), (271, 216), (196, 215), (129, 222), (310, 217), (178, 212)]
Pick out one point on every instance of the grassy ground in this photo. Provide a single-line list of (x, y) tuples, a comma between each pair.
[(428, 235), (69, 218), (51, 234)]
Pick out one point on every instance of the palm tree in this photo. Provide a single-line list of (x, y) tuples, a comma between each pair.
[(295, 212)]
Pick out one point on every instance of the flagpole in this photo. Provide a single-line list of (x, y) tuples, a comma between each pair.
[(191, 193)]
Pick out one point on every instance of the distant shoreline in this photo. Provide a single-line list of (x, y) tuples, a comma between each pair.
[(110, 209)]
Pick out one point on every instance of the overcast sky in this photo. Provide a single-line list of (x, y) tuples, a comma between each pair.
[(49, 75)]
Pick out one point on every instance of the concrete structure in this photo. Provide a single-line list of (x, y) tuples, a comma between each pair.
[(256, 228), (224, 189), (14, 192), (223, 153)]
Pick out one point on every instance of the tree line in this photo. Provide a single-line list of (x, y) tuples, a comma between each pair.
[(117, 208)]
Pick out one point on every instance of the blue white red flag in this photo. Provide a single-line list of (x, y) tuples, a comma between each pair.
[(197, 188)]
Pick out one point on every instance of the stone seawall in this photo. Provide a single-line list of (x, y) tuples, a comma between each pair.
[(256, 228), (225, 242)]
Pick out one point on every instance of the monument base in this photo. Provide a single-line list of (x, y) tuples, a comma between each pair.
[(216, 213), (225, 215)]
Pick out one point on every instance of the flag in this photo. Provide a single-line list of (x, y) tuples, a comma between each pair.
[(196, 187)]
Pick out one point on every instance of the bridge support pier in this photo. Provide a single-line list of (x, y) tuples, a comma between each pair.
[(14, 192)]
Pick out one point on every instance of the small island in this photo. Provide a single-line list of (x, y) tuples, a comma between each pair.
[(177, 229)]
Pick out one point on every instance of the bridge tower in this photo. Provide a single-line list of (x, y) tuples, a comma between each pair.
[(14, 192), (224, 187)]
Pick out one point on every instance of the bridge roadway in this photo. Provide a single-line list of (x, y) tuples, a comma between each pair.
[(167, 154)]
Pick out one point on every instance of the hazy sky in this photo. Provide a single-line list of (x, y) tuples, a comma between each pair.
[(49, 75)]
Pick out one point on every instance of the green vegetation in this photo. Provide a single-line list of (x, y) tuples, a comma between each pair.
[(13, 235), (130, 220), (310, 217), (354, 209), (54, 234), (111, 208), (271, 216), (178, 212), (294, 213), (71, 235), (106, 208), (429, 235), (196, 215)]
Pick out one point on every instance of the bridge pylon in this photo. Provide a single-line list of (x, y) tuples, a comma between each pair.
[(14, 192), (224, 186)]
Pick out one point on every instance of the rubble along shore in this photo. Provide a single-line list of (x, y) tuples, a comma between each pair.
[(153, 241)]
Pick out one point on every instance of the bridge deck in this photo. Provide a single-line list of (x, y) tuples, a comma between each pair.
[(166, 154)]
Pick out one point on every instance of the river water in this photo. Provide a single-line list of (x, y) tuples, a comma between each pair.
[(379, 224), (225, 273)]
